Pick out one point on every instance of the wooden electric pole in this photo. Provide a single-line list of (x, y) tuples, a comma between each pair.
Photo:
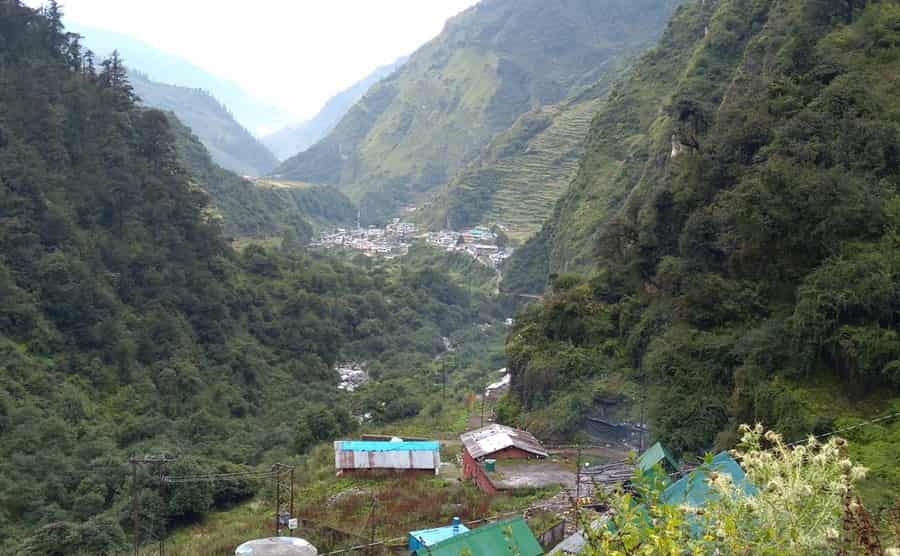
[(160, 461), (292, 499), (277, 474)]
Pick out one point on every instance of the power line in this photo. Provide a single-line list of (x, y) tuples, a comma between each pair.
[(887, 417)]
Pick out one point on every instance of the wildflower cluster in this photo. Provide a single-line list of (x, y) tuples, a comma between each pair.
[(799, 506)]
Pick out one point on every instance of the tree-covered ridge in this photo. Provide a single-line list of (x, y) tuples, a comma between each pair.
[(230, 145), (166, 67), (128, 325), (738, 209), (415, 130), (247, 209)]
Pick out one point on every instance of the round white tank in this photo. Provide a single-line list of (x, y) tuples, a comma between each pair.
[(277, 546)]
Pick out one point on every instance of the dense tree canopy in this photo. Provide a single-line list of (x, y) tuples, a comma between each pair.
[(737, 212), (129, 325)]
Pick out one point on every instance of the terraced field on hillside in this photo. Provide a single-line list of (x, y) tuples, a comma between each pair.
[(518, 180)]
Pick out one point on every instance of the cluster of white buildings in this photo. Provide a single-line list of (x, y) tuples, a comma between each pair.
[(391, 241), (394, 240), (480, 243)]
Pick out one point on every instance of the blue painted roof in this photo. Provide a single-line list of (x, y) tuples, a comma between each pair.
[(430, 537), (375, 446)]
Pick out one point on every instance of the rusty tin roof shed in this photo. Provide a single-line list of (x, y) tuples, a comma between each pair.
[(489, 440)]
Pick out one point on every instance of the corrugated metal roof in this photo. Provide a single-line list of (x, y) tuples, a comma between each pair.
[(375, 446), (491, 540), (493, 438), (694, 490), (431, 537), (656, 454)]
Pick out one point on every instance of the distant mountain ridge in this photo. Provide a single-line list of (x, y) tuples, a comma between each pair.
[(293, 139), (414, 131), (230, 145), (164, 67)]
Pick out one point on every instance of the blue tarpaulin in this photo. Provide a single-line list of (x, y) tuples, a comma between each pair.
[(375, 446)]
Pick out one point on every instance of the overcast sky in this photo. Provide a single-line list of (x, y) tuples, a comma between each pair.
[(294, 54)]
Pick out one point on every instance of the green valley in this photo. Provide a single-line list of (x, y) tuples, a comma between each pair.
[(593, 225), (413, 132), (129, 325)]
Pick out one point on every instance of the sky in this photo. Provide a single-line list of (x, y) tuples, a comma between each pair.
[(293, 54)]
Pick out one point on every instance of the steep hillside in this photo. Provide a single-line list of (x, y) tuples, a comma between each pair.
[(735, 225), (129, 326), (165, 67), (247, 209), (294, 139), (231, 146), (517, 180), (416, 129)]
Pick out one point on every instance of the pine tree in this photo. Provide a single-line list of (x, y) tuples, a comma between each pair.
[(56, 38), (114, 77)]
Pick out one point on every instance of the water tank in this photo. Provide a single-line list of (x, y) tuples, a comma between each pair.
[(277, 546)]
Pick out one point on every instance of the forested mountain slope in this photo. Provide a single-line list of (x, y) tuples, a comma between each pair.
[(252, 209), (734, 224), (416, 129), (294, 139), (129, 326), (231, 146), (165, 67)]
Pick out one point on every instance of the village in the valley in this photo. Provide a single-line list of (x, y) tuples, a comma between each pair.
[(395, 239)]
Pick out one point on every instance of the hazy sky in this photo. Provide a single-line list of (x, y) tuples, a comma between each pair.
[(295, 54)]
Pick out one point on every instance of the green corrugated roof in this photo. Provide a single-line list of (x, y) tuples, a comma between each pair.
[(693, 489), (504, 538), (656, 454)]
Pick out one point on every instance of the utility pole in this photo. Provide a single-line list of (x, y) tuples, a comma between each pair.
[(577, 478), (292, 498), (372, 523), (160, 460), (162, 518), (275, 471), (483, 398), (443, 379), (134, 504)]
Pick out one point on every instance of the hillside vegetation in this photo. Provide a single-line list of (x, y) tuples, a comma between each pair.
[(165, 67), (230, 145), (290, 140), (734, 225), (415, 130), (129, 326), (260, 210), (517, 180)]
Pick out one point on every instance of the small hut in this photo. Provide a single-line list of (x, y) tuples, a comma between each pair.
[(366, 456)]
